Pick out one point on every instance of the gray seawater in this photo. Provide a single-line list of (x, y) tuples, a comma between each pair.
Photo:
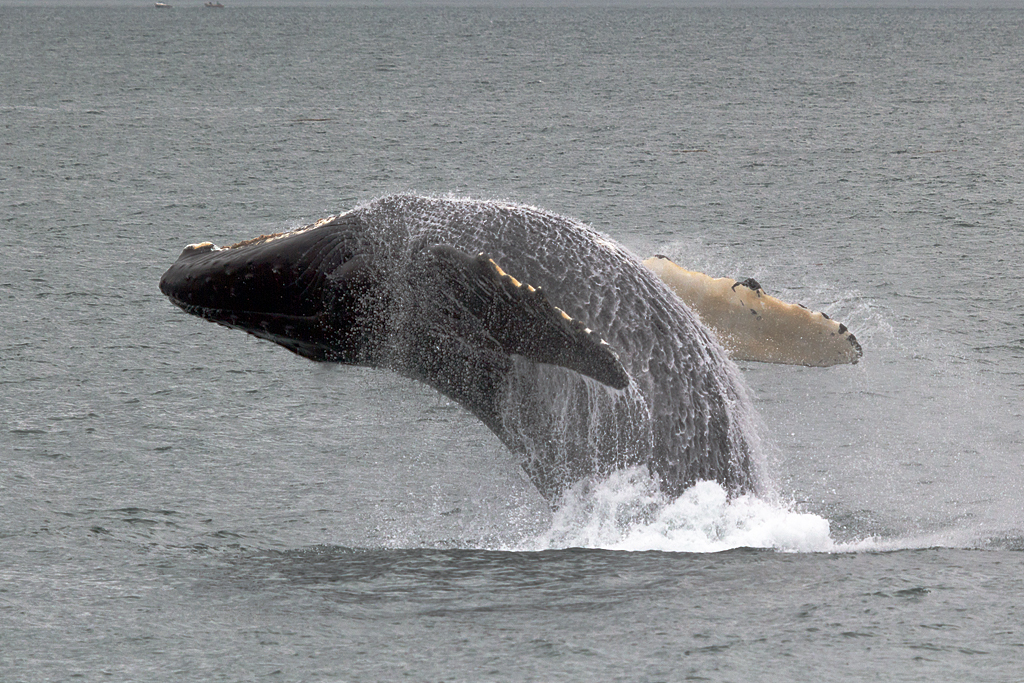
[(181, 502)]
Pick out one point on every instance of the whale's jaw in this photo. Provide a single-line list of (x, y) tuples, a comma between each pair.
[(302, 290)]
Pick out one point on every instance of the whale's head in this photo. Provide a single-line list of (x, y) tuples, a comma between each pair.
[(308, 290), (343, 291)]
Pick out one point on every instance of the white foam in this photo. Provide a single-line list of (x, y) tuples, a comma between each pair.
[(626, 511)]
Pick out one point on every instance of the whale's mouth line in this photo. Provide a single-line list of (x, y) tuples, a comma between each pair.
[(293, 332), (224, 315)]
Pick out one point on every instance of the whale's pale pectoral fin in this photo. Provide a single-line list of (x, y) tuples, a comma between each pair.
[(475, 295), (755, 326)]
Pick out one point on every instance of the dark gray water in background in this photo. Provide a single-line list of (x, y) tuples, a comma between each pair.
[(181, 502)]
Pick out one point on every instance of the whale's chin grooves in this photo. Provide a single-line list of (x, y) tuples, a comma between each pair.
[(556, 337)]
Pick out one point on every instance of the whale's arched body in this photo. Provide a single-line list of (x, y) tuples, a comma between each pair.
[(600, 369)]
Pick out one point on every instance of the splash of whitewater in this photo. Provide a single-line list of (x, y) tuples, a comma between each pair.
[(627, 511)]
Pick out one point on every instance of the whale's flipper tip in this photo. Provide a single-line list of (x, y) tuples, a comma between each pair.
[(520, 319)]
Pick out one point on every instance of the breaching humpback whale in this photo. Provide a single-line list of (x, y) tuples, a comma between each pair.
[(572, 352)]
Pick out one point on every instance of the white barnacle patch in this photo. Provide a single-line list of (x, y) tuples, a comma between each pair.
[(264, 239), (202, 246), (324, 221), (292, 233)]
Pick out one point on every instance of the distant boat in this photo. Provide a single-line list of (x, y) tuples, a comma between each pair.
[(162, 5), (214, 4)]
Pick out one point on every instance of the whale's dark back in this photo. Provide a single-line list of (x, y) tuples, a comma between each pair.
[(685, 413)]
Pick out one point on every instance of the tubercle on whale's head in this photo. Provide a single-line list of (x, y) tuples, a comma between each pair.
[(304, 289)]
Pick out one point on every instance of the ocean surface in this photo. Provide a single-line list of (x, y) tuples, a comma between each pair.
[(179, 501)]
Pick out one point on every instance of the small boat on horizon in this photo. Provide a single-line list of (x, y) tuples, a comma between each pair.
[(163, 5), (214, 4)]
